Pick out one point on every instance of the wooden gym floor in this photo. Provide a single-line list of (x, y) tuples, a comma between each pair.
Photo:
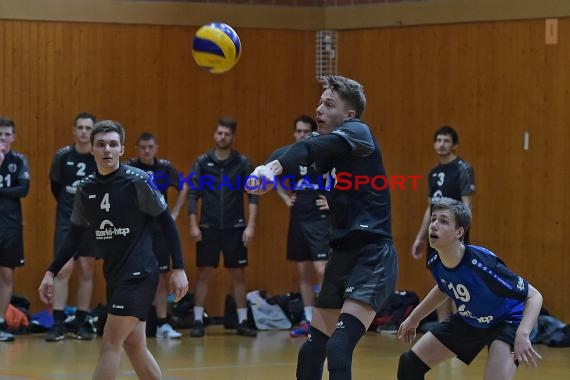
[(221, 355)]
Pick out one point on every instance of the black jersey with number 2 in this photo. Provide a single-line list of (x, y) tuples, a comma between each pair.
[(67, 169)]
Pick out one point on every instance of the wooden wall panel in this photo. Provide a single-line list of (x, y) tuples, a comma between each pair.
[(144, 76), (492, 81)]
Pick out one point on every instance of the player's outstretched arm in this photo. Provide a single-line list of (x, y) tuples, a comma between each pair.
[(263, 178), (524, 352)]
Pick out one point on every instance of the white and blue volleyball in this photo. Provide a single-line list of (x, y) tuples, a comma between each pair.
[(216, 47)]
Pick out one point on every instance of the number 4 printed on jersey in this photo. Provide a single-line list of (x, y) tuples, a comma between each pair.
[(105, 204)]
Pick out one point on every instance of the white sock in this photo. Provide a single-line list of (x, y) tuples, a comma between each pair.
[(308, 313), (242, 314), (198, 313)]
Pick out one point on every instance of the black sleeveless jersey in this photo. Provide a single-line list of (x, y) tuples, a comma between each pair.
[(68, 167), (118, 210), (14, 185)]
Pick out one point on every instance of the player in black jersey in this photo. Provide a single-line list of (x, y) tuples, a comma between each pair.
[(309, 223), (495, 307), (453, 178), (217, 182), (69, 165), (14, 185), (362, 269), (117, 207), (163, 175)]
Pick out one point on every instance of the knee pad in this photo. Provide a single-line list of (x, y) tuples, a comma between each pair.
[(411, 367), (340, 346), (311, 356)]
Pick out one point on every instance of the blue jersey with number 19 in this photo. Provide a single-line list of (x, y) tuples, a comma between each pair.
[(484, 290)]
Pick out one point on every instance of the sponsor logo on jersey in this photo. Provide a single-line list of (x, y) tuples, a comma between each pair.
[(115, 306), (462, 310), (107, 230), (520, 284)]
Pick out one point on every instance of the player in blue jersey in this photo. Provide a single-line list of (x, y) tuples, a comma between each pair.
[(362, 268), (495, 307)]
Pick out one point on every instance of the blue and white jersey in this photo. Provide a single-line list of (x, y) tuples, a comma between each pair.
[(484, 290)]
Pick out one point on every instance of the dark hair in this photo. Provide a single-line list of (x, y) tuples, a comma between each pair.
[(460, 211), (228, 122), (105, 126), (349, 90), (7, 122), (84, 115), (447, 130), (145, 136), (307, 120)]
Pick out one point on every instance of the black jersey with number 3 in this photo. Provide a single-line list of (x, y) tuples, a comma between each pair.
[(451, 180), (118, 210), (68, 167)]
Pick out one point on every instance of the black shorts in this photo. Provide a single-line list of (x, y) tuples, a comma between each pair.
[(86, 247), (132, 297), (467, 341), (367, 275), (228, 241), (160, 249), (308, 240), (12, 247)]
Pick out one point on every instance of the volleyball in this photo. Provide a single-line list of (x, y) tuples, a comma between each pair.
[(216, 47)]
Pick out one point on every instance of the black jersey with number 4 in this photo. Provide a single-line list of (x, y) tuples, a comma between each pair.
[(163, 171), (118, 210), (68, 167), (451, 180), (14, 184)]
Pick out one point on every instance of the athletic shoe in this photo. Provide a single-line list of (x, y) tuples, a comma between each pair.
[(244, 330), (302, 330), (198, 329), (166, 331), (83, 331), (6, 336), (56, 333)]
